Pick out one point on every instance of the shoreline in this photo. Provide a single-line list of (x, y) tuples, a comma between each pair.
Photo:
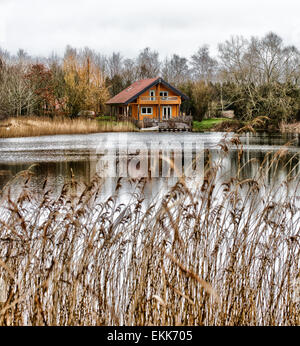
[(18, 127)]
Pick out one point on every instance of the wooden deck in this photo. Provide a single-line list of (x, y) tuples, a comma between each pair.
[(178, 124), (170, 129)]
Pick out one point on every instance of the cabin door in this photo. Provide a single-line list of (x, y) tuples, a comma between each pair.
[(167, 112)]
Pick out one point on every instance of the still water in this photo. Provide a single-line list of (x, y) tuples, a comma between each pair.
[(55, 157)]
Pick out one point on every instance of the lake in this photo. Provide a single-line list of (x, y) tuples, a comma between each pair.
[(56, 157)]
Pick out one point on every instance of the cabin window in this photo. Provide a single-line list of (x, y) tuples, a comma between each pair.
[(147, 110), (163, 95), (152, 95)]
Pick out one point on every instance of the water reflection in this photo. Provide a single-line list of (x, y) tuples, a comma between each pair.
[(57, 156)]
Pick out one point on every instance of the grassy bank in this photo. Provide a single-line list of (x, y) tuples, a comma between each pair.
[(210, 255), (211, 124), (41, 126)]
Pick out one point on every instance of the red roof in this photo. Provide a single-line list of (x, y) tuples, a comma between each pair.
[(131, 91)]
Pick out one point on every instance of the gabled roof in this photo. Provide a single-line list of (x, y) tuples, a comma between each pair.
[(139, 87)]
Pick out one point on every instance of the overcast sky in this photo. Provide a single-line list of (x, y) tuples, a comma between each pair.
[(43, 26)]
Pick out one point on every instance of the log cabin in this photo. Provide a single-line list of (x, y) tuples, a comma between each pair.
[(151, 98)]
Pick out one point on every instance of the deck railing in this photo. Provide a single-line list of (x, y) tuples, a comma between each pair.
[(148, 98), (169, 98), (162, 98)]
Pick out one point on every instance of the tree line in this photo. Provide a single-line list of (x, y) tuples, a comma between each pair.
[(253, 77)]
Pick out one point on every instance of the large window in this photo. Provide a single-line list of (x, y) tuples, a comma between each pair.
[(163, 95), (147, 110), (167, 112)]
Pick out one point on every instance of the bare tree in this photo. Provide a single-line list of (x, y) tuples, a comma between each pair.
[(291, 69), (148, 64), (1, 66), (100, 60), (232, 54), (4, 55), (16, 96), (261, 74), (115, 65), (70, 52), (175, 70), (267, 54), (259, 61), (203, 65), (130, 72)]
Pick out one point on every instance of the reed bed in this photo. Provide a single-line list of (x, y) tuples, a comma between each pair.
[(215, 254), (290, 128), (43, 126)]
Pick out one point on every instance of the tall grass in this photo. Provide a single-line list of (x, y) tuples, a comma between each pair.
[(216, 254), (41, 126), (290, 128)]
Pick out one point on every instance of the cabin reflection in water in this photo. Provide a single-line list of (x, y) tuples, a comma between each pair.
[(160, 168)]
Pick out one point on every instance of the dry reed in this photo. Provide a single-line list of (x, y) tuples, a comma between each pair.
[(78, 260), (42, 126), (290, 128)]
